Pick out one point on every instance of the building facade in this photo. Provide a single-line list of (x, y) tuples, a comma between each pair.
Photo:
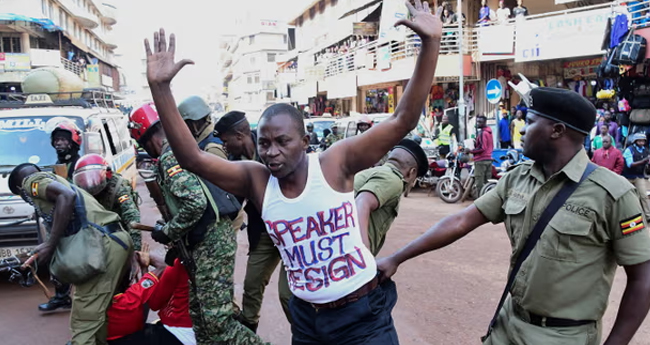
[(71, 34)]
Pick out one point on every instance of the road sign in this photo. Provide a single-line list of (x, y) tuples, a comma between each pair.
[(493, 91)]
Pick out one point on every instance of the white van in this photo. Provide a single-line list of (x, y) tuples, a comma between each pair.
[(26, 122)]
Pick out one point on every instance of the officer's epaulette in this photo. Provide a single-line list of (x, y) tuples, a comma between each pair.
[(614, 184), (522, 164)]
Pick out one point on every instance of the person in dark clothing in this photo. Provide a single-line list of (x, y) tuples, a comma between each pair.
[(313, 137), (483, 152), (504, 131)]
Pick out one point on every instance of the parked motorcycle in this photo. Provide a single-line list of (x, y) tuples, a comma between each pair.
[(449, 187), (511, 158), (437, 169)]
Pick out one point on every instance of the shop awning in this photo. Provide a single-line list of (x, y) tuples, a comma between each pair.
[(42, 22), (359, 9)]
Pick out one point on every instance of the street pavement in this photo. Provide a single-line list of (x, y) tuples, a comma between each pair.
[(445, 297)]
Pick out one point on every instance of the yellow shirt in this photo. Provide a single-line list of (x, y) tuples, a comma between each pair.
[(518, 125)]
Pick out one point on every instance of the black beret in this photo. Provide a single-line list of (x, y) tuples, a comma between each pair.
[(228, 121), (417, 152), (564, 106)]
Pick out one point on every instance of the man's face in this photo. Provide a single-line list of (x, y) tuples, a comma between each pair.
[(233, 143), (335, 130), (607, 142), (604, 130), (535, 136), (363, 127), (520, 114), (640, 142), (280, 144), (196, 127), (480, 122), (61, 143), (310, 129), (608, 116)]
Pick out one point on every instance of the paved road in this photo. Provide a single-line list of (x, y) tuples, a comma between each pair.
[(446, 297)]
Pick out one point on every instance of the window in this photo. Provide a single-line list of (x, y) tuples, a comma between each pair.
[(251, 39), (252, 60), (312, 12), (10, 44), (111, 134), (257, 79), (284, 37), (51, 10), (249, 80), (270, 96), (270, 57), (44, 7), (321, 6)]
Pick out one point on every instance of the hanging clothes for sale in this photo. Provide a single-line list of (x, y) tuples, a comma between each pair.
[(619, 29)]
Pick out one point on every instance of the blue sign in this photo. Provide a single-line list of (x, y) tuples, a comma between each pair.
[(493, 91)]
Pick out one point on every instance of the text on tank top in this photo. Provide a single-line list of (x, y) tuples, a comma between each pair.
[(318, 237)]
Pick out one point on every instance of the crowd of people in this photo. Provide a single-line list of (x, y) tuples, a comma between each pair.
[(325, 216)]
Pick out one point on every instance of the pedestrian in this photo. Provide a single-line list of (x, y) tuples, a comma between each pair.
[(558, 288), (609, 156), (483, 148), (114, 193), (504, 131), (57, 203), (378, 191), (598, 140), (611, 124), (445, 136), (301, 197), (636, 161), (66, 140), (210, 239), (313, 137), (503, 13), (517, 124), (234, 129), (197, 115)]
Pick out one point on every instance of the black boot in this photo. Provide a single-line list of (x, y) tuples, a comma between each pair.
[(61, 299), (251, 326)]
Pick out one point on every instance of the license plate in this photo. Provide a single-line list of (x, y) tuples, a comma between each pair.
[(8, 252)]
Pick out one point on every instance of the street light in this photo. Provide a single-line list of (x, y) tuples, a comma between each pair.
[(462, 119)]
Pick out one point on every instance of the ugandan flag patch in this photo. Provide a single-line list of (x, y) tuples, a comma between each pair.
[(123, 198), (174, 170), (34, 188), (633, 224)]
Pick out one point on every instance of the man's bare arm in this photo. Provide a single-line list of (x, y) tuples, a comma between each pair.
[(634, 305), (366, 204), (363, 151), (64, 199), (447, 231), (234, 177)]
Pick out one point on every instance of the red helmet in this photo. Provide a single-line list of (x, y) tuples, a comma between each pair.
[(90, 173), (142, 120), (71, 129)]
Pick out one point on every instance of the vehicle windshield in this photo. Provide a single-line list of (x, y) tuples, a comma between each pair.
[(320, 126), (27, 139)]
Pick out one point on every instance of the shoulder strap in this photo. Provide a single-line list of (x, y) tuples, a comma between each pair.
[(210, 139), (114, 190), (80, 213), (552, 208)]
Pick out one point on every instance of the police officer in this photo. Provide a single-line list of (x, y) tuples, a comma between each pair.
[(92, 174), (445, 136), (636, 160), (313, 137), (378, 190), (196, 223), (54, 201), (234, 130), (333, 137), (66, 140), (560, 293), (363, 124)]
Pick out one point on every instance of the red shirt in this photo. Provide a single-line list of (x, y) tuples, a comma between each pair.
[(126, 314), (172, 297), (611, 159)]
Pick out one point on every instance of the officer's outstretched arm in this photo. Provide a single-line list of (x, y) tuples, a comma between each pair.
[(363, 151), (447, 231), (634, 305), (161, 69)]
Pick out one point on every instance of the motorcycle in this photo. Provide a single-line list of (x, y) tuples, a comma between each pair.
[(449, 187), (437, 169), (511, 158)]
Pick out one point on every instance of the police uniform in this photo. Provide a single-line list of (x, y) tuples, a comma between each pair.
[(119, 197), (211, 308), (387, 184), (568, 276), (263, 256), (88, 322), (331, 139)]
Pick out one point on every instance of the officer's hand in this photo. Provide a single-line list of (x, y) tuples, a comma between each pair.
[(159, 235), (44, 251), (386, 267)]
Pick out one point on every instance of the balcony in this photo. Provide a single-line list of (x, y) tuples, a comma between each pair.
[(108, 11), (110, 40), (74, 68)]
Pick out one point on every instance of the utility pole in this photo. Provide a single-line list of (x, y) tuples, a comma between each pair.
[(462, 118)]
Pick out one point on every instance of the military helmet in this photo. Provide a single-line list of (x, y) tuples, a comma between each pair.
[(91, 173), (70, 130), (142, 120), (194, 108)]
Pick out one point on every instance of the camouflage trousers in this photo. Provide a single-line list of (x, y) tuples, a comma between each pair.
[(211, 307), (136, 236)]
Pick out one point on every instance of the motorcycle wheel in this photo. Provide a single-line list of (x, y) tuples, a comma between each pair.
[(488, 187), (449, 190)]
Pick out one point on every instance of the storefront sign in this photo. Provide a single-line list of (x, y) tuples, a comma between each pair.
[(496, 40), (391, 12), (15, 62), (565, 36), (93, 75), (581, 68), (365, 29)]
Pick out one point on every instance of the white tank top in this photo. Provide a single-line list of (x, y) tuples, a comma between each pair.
[(318, 237)]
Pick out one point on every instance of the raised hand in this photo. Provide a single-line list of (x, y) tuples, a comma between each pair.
[(161, 68), (425, 24)]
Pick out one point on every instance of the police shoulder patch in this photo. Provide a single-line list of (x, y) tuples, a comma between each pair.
[(123, 198), (147, 283), (34, 188), (176, 169)]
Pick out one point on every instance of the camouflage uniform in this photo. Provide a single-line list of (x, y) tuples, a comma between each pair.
[(211, 306), (331, 139), (119, 197)]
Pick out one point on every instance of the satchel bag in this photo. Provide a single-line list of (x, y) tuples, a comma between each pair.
[(631, 51), (640, 116), (82, 255), (607, 68)]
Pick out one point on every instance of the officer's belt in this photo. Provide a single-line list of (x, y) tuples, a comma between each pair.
[(544, 321)]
